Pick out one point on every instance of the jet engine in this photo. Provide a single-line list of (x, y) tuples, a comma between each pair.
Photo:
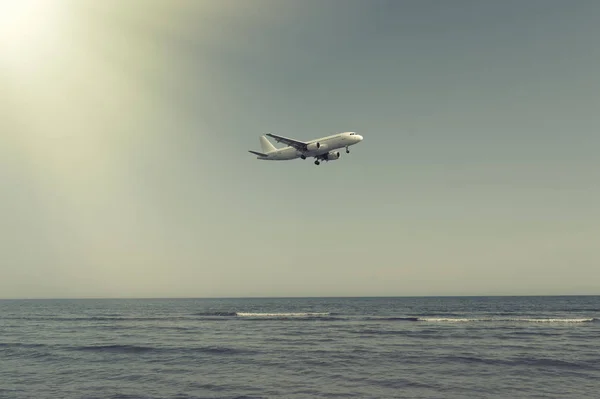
[(333, 155), (316, 146)]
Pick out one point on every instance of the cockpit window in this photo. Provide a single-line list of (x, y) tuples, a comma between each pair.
[(352, 134)]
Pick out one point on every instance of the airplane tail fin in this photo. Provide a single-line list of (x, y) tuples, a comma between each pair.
[(266, 145)]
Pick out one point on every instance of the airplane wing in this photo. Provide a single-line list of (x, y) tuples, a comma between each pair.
[(299, 145)]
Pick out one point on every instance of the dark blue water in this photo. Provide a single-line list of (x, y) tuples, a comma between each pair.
[(471, 347)]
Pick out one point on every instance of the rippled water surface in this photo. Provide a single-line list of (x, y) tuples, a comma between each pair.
[(469, 347)]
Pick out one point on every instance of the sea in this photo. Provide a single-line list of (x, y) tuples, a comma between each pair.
[(398, 347)]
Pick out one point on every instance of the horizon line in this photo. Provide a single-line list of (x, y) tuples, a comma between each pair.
[(300, 297)]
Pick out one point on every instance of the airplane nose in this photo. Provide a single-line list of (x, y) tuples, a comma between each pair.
[(359, 137)]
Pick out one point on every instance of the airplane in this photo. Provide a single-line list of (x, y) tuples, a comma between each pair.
[(321, 149)]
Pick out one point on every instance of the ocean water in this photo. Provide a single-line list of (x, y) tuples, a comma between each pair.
[(436, 347)]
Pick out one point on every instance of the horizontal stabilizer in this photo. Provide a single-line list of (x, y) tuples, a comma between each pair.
[(260, 154)]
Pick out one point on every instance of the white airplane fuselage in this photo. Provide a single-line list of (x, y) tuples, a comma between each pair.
[(316, 148)]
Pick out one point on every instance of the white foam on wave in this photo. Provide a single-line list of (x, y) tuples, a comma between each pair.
[(292, 314), (509, 320), (587, 320)]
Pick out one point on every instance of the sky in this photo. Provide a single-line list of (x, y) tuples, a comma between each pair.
[(125, 125)]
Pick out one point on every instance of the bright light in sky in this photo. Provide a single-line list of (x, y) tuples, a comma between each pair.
[(27, 29), (124, 127)]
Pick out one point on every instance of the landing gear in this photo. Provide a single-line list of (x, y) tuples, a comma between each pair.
[(317, 162), (303, 156), (347, 150)]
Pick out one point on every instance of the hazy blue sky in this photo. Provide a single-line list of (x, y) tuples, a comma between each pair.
[(125, 125)]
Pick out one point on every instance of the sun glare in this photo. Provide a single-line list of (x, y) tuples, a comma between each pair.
[(28, 29)]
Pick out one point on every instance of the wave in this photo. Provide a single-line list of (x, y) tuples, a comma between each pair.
[(410, 318), (115, 348), (482, 319), (95, 318), (519, 361), (280, 315), (216, 313), (121, 348), (229, 315), (200, 315), (20, 345), (508, 320), (118, 349)]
